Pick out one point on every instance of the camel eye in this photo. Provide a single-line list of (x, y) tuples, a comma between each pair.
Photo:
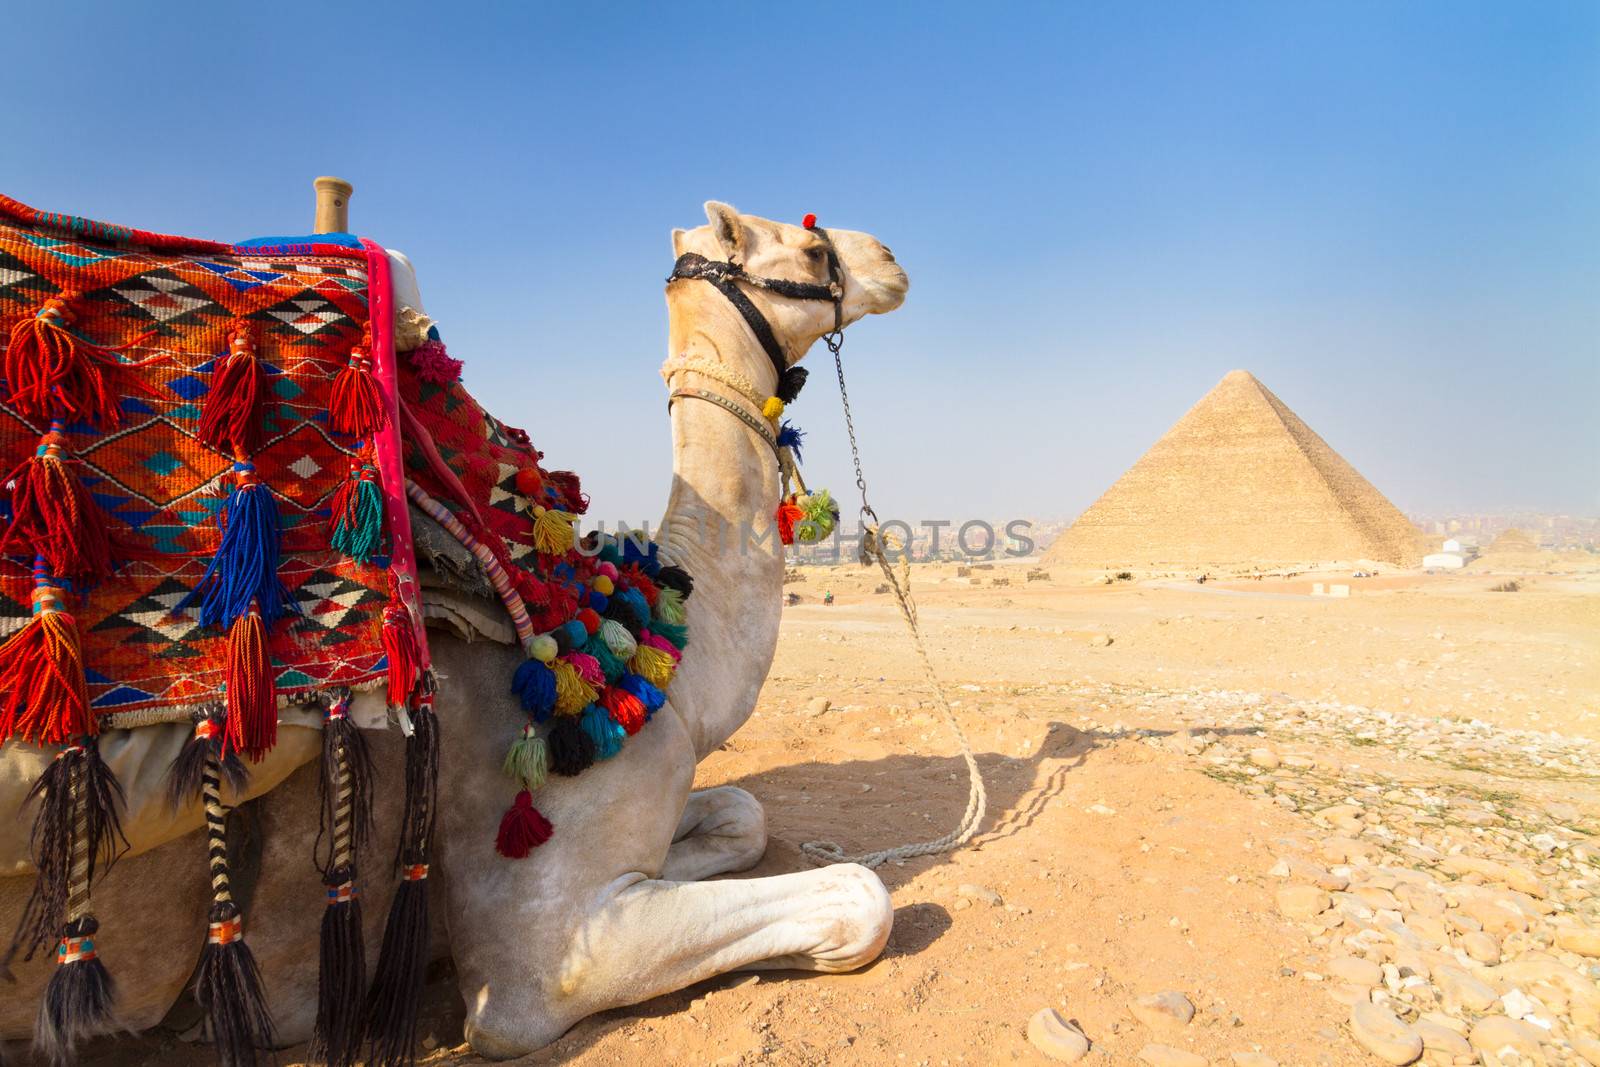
[(814, 254)]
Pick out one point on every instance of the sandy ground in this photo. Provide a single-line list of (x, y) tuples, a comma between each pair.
[(1274, 804)]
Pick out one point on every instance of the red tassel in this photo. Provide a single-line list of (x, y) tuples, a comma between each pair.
[(230, 421), (787, 515), (356, 405), (252, 722), (41, 672), (53, 515), (626, 709), (405, 658), (54, 372), (522, 829)]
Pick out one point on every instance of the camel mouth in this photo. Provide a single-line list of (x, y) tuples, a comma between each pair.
[(887, 287)]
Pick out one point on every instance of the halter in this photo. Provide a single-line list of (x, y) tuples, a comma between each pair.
[(727, 275)]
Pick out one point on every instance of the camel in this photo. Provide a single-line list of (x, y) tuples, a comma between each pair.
[(618, 907)]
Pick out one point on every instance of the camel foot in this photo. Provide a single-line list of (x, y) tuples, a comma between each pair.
[(722, 830), (651, 937)]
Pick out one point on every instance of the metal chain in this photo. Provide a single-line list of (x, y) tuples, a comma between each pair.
[(873, 547)]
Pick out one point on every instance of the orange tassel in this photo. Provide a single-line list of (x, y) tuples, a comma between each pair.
[(356, 404), (787, 515), (627, 710), (54, 372), (53, 515), (230, 421), (41, 670), (252, 721)]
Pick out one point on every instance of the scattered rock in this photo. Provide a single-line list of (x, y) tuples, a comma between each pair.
[(1302, 902), (1440, 1038), (1356, 971), (1264, 758), (1580, 939), (1252, 1059), (1100, 640), (1502, 1041), (1167, 1056), (1482, 947), (1169, 1010), (816, 706), (981, 893), (1462, 990), (1056, 1037), (1386, 1037)]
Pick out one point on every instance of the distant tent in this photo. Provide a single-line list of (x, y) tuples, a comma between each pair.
[(1239, 480)]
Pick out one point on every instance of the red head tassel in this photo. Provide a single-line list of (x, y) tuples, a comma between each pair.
[(230, 421), (252, 722), (399, 638), (787, 515), (356, 404), (53, 515), (522, 829), (41, 673), (52, 371), (627, 710)]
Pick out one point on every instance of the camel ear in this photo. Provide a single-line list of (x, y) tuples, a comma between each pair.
[(677, 242), (727, 228)]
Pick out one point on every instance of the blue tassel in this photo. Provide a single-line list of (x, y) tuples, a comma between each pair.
[(647, 694), (606, 734), (598, 602), (245, 568), (535, 684), (635, 602), (646, 559), (790, 437), (362, 540)]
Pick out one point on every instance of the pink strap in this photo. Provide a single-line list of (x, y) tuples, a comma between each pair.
[(386, 442)]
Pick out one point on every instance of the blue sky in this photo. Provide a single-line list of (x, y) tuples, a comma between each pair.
[(1390, 213)]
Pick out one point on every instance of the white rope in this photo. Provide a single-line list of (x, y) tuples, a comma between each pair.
[(825, 852)]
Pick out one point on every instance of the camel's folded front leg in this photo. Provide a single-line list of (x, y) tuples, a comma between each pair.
[(722, 830), (648, 937)]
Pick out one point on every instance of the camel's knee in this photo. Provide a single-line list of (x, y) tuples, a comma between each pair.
[(743, 821), (499, 1033), (866, 916)]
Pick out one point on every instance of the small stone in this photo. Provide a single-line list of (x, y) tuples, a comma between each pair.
[(1055, 1037), (1386, 1037), (1481, 947), (1252, 1059), (1501, 1041), (1100, 640), (1588, 1048), (1580, 939), (1302, 902), (1461, 989), (1356, 971), (1265, 758), (980, 893), (1167, 1056), (1169, 1010), (1438, 1038), (816, 706)]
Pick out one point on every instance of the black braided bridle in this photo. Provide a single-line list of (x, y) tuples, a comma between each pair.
[(727, 275)]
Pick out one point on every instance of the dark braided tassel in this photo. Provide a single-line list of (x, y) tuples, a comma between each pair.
[(346, 789), (80, 791), (227, 985), (403, 962)]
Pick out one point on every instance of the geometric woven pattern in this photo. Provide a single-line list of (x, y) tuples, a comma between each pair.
[(154, 477)]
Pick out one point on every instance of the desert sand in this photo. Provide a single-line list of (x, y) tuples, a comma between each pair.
[(1273, 804)]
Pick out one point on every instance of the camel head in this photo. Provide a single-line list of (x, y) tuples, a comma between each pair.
[(873, 282)]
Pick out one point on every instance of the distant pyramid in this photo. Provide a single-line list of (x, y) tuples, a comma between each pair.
[(1241, 481), (1512, 540)]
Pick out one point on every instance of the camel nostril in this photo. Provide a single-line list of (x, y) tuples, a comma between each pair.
[(887, 251)]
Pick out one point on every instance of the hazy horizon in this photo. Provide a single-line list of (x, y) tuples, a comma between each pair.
[(1386, 213)]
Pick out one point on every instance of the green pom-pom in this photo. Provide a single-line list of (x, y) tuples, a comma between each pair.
[(669, 606), (527, 761), (610, 665), (821, 515)]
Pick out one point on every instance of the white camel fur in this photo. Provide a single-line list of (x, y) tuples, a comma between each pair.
[(616, 908)]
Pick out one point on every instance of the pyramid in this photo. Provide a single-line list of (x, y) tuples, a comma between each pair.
[(1238, 481), (1512, 540)]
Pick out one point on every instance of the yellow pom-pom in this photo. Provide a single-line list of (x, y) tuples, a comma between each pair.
[(772, 408), (544, 648), (602, 585), (653, 665), (573, 694)]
